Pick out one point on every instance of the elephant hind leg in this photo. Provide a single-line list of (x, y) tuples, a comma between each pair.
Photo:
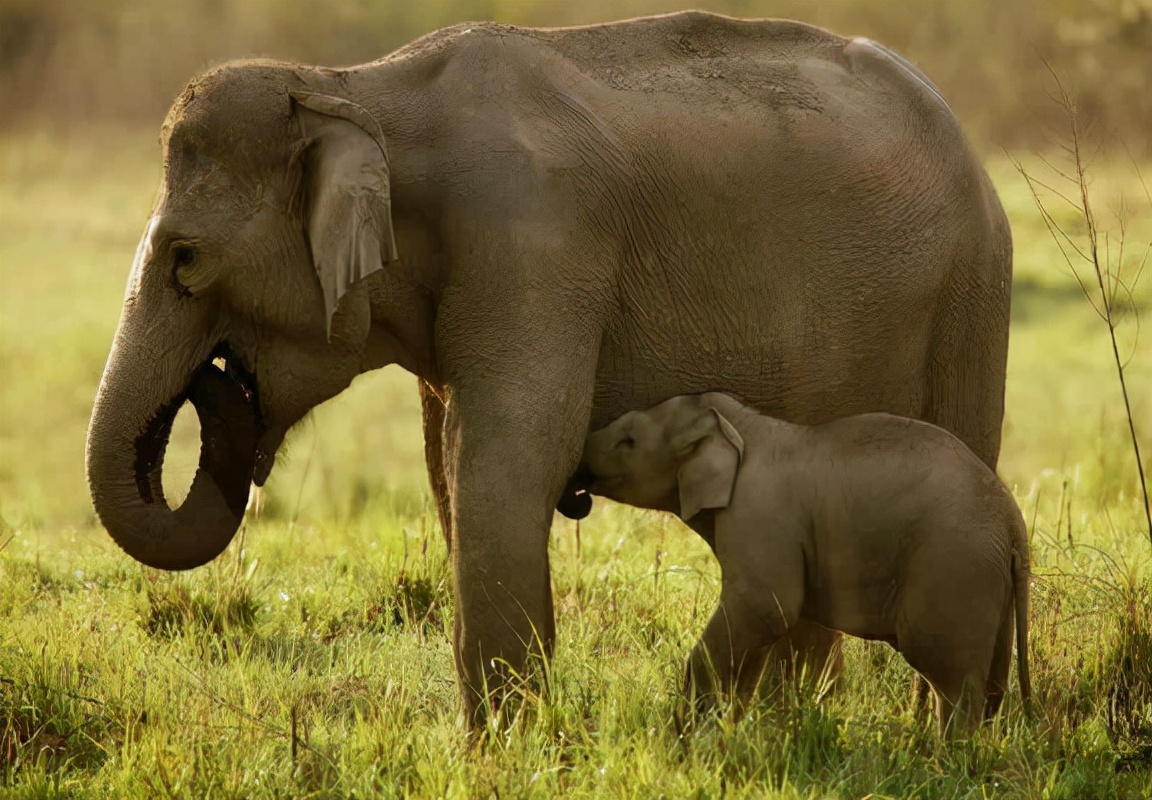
[(957, 667), (961, 703), (948, 630), (433, 412), (921, 691)]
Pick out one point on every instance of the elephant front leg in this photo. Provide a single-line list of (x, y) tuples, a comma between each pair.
[(761, 595), (506, 470), (504, 625), (517, 342), (730, 658), (727, 662)]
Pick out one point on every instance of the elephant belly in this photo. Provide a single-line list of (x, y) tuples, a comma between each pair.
[(807, 379)]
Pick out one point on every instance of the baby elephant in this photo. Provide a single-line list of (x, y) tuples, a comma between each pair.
[(877, 526)]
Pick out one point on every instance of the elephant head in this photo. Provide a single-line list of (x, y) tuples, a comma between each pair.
[(681, 455), (265, 254)]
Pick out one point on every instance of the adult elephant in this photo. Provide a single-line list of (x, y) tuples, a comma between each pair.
[(549, 228)]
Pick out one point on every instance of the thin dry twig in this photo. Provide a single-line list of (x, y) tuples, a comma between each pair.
[(1112, 291)]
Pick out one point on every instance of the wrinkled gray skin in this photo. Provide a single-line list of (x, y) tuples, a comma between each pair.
[(550, 228), (873, 525)]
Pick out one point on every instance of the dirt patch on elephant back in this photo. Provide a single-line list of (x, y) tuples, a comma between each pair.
[(700, 56)]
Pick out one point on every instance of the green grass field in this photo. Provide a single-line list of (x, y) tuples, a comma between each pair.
[(312, 660)]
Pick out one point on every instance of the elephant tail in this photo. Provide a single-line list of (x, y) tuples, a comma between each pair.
[(1021, 576)]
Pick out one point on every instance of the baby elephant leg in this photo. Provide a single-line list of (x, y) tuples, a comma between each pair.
[(950, 632), (730, 656), (960, 703), (727, 661), (810, 654), (957, 669), (921, 691)]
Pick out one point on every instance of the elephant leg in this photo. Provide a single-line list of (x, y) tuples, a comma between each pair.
[(959, 678), (967, 365), (748, 624), (510, 445), (433, 411), (503, 489), (961, 704), (518, 353), (808, 653), (948, 630), (921, 692), (729, 659)]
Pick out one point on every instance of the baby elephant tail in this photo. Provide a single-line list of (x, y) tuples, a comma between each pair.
[(1021, 576)]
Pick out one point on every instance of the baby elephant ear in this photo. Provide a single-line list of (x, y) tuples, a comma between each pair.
[(712, 451), (348, 209)]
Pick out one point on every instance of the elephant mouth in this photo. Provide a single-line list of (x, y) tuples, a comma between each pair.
[(225, 395), (607, 485)]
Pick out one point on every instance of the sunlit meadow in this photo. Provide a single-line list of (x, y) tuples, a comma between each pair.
[(312, 660)]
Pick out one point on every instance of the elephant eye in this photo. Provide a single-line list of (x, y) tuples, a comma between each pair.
[(627, 442), (182, 255)]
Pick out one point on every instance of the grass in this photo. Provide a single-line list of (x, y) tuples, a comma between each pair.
[(313, 659)]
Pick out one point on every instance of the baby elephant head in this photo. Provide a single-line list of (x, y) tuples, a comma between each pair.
[(680, 456)]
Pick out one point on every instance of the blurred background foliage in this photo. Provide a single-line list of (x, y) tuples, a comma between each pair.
[(67, 63)]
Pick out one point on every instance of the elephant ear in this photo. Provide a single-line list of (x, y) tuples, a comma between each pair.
[(710, 450), (348, 209)]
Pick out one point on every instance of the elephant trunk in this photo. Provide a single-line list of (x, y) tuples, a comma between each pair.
[(135, 407)]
